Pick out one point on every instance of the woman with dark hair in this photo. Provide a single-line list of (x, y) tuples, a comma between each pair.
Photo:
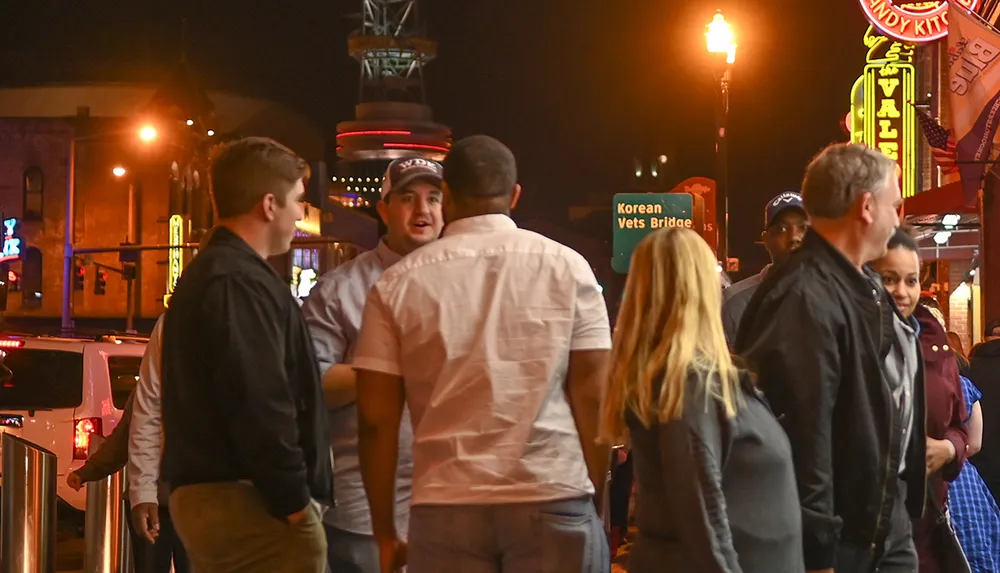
[(958, 349), (947, 437)]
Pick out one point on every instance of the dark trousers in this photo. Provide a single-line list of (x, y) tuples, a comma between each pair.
[(621, 492), (898, 555), (157, 557), (351, 552)]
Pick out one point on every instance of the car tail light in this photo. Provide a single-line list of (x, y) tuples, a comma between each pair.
[(11, 343), (83, 430)]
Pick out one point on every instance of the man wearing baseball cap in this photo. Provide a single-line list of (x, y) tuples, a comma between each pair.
[(785, 225), (411, 210)]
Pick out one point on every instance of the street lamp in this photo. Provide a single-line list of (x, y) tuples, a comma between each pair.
[(147, 134), (720, 38), (721, 44), (119, 171)]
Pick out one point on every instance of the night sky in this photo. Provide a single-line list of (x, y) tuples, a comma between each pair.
[(575, 87)]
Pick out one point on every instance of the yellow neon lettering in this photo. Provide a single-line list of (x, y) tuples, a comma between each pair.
[(886, 129), (918, 28), (174, 257), (888, 109), (937, 23), (890, 149), (880, 9), (888, 85)]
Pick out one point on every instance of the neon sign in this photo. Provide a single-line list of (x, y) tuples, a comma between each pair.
[(174, 257), (882, 115), (889, 92), (11, 244), (914, 23)]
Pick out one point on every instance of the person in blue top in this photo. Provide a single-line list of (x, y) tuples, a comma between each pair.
[(974, 512)]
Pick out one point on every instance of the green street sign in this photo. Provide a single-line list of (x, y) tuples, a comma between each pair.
[(636, 215)]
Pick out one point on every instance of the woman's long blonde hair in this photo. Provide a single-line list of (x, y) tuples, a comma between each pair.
[(670, 323)]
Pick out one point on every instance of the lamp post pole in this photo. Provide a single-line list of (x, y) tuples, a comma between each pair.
[(722, 167), (721, 44), (67, 294)]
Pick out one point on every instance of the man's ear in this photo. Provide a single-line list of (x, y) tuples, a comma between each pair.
[(515, 196), (269, 207), (383, 210), (865, 208)]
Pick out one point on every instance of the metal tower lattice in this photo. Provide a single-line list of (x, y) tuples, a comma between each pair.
[(392, 49)]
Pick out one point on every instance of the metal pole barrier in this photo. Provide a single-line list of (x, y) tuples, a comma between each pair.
[(107, 547), (28, 527)]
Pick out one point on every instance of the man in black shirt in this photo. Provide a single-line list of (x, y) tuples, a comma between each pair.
[(246, 447)]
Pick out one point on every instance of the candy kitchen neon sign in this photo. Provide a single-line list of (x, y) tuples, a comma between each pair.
[(913, 22)]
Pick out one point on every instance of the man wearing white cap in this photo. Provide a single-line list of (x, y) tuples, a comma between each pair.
[(411, 210)]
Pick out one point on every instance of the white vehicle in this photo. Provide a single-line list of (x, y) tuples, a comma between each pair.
[(59, 393)]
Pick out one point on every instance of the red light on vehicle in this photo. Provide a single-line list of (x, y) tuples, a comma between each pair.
[(371, 132), (11, 343), (415, 146), (84, 428)]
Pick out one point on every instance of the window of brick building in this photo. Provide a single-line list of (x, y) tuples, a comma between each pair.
[(34, 185)]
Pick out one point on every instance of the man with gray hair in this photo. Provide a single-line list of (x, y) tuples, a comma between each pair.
[(822, 335)]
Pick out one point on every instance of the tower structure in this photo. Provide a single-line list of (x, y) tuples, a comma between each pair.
[(392, 118)]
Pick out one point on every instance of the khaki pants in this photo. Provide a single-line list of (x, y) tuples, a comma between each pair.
[(226, 528)]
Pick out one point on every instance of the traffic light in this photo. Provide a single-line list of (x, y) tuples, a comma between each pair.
[(100, 281), (81, 273)]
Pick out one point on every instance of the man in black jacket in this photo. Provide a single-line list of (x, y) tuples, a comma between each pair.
[(820, 333), (984, 372), (246, 444)]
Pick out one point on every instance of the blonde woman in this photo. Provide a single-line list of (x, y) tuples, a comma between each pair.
[(715, 484)]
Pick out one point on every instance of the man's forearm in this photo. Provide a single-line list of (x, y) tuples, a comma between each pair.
[(378, 450), (144, 460), (340, 385), (586, 411)]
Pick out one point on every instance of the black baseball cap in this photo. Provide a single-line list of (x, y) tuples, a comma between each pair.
[(780, 204), (402, 172)]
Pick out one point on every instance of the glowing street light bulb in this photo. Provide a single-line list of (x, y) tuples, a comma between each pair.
[(119, 171), (211, 132), (720, 38), (190, 122), (147, 133)]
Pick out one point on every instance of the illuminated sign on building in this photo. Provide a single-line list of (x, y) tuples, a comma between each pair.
[(882, 113), (11, 243), (889, 93), (175, 260), (638, 214), (915, 22)]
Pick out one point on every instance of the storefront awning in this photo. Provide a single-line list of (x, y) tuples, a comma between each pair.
[(939, 201)]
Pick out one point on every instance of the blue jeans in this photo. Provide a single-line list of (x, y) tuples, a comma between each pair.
[(351, 552), (552, 537)]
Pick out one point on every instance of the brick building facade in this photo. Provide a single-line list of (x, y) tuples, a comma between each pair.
[(41, 126)]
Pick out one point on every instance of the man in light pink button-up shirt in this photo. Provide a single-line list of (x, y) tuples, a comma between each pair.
[(497, 340)]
